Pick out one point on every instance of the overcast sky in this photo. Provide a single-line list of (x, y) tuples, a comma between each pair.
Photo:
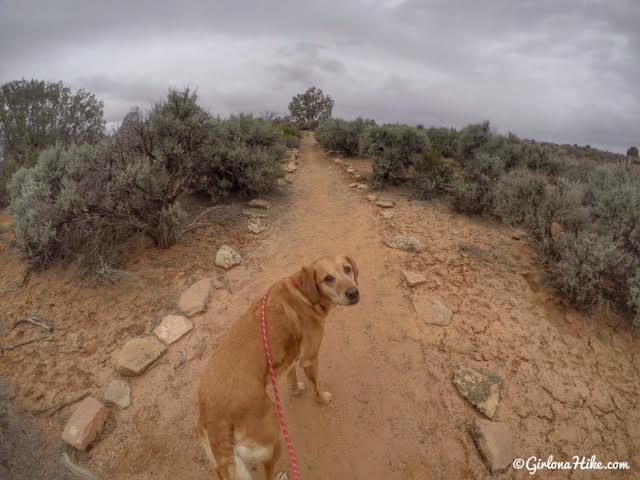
[(557, 70)]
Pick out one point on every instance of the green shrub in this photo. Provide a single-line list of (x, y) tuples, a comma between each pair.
[(433, 174), (394, 149), (471, 139), (444, 140), (580, 267), (475, 192), (290, 134), (245, 158), (519, 196), (340, 136)]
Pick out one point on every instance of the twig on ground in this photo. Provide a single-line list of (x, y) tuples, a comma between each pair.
[(193, 226), (181, 361), (35, 320), (195, 223), (26, 342), (54, 408), (76, 470)]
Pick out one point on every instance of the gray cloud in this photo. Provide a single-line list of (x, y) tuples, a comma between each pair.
[(554, 70)]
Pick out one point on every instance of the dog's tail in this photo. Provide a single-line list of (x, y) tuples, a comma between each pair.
[(220, 448)]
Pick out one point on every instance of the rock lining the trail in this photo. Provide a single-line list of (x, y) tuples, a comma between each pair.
[(432, 310), (118, 393), (385, 204), (408, 244), (256, 225), (372, 197), (172, 328), (494, 441), (480, 387), (227, 257), (138, 354), (259, 203), (413, 279), (195, 298), (85, 423)]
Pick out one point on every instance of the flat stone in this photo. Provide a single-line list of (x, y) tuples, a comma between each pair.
[(290, 167), (259, 203), (372, 197), (481, 387), (254, 213), (227, 257), (357, 176), (385, 204), (256, 225), (337, 160), (118, 393), (494, 440), (353, 185), (363, 186), (387, 214), (351, 170), (137, 355), (172, 328), (85, 423), (195, 298), (408, 244), (281, 182), (431, 310), (413, 279)]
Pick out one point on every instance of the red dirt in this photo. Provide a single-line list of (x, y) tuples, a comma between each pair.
[(571, 379)]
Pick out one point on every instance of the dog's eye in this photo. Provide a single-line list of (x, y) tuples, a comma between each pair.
[(328, 279), (347, 269)]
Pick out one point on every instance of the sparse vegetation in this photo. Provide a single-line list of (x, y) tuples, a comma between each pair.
[(581, 205), (84, 202), (340, 136)]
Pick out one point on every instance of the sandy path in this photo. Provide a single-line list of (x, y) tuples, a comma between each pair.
[(571, 380)]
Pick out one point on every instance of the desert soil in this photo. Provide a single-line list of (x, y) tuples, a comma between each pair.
[(571, 378)]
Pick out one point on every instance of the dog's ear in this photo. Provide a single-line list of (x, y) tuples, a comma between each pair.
[(354, 266), (306, 282)]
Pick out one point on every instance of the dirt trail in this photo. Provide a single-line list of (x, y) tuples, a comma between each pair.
[(571, 381)]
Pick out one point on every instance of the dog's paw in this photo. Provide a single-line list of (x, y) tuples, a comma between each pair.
[(281, 476), (324, 398), (299, 389)]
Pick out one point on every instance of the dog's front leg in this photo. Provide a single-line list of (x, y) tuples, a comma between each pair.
[(295, 387), (310, 367)]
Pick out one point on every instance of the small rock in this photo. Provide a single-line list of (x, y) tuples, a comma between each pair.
[(85, 423), (194, 299), (387, 214), (290, 167), (227, 257), (432, 311), (217, 284), (281, 182), (413, 279), (408, 244), (372, 198), (363, 186), (172, 328), (481, 387), (137, 355), (357, 176), (337, 160), (385, 204), (254, 213), (353, 185), (351, 170), (118, 393), (288, 178), (259, 203), (256, 226), (494, 440)]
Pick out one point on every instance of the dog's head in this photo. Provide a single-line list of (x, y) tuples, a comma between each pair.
[(333, 278)]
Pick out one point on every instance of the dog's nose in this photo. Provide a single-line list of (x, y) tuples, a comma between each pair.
[(353, 294)]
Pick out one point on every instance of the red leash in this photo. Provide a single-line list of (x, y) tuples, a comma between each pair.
[(283, 423)]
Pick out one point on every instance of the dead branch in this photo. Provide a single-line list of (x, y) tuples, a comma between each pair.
[(196, 225), (26, 342), (77, 471), (54, 408), (35, 320)]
